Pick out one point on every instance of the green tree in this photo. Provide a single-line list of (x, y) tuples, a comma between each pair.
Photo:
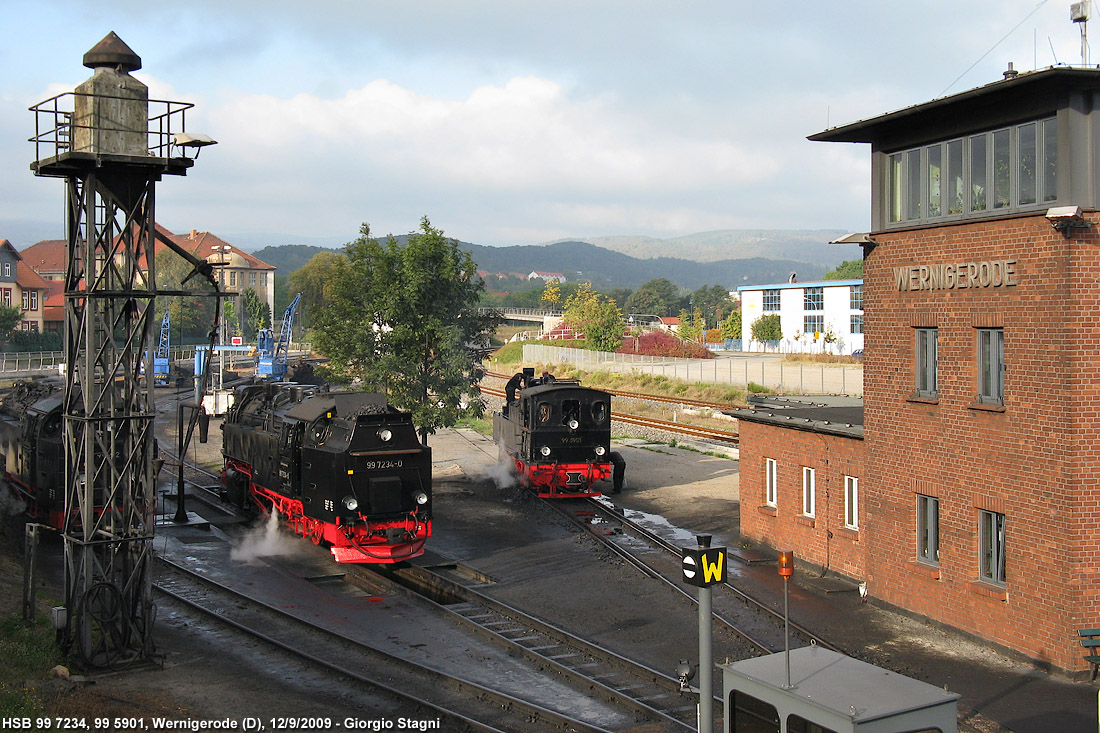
[(847, 270), (599, 318), (713, 301), (314, 280), (400, 317), (10, 317), (731, 327), (256, 314), (767, 328), (691, 325), (657, 297), (229, 315)]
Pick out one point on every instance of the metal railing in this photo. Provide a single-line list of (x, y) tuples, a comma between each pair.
[(48, 361), (53, 124)]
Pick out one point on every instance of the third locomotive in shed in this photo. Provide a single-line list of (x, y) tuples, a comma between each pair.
[(557, 435), (341, 468)]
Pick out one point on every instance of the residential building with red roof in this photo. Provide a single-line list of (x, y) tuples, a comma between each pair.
[(21, 287), (238, 270)]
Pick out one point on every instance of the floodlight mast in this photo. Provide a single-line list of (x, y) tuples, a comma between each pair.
[(103, 142)]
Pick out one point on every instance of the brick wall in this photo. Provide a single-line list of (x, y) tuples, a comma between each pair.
[(784, 527), (1037, 461)]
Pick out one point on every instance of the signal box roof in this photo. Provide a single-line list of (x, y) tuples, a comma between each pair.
[(1025, 96)]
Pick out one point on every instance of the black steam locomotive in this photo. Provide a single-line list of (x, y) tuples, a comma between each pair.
[(558, 436), (340, 467), (31, 448)]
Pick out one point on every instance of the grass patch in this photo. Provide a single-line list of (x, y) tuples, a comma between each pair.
[(824, 359), (29, 652), (479, 424), (759, 389)]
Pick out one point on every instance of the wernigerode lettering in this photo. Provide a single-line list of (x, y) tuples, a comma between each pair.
[(987, 274)]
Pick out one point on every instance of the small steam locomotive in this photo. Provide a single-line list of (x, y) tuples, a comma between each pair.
[(557, 434), (340, 467), (32, 448)]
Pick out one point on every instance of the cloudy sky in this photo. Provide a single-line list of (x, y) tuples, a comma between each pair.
[(512, 122)]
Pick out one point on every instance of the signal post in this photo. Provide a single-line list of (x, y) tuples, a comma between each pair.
[(703, 567)]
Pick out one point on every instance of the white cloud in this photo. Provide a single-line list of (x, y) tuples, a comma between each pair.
[(528, 134)]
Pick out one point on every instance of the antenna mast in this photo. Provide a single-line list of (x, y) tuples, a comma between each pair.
[(1079, 13)]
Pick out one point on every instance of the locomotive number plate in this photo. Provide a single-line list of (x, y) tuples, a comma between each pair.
[(381, 465), (572, 440)]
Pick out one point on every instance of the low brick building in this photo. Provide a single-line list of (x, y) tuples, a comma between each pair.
[(802, 463)]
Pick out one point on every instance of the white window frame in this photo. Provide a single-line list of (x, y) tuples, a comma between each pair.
[(808, 491), (771, 482), (851, 502), (7, 269)]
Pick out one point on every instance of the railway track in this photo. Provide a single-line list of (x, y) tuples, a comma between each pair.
[(608, 676), (738, 612), (720, 406), (434, 694), (613, 513), (679, 428)]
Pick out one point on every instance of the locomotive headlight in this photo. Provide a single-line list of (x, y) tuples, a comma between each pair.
[(573, 424), (351, 503), (385, 435), (544, 450), (600, 450), (421, 497)]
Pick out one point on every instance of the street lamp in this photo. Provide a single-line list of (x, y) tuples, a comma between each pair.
[(222, 250)]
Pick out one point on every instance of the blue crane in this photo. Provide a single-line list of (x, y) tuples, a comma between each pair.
[(273, 352), (160, 356)]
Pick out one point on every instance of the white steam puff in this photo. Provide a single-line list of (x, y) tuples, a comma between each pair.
[(502, 474), (264, 540)]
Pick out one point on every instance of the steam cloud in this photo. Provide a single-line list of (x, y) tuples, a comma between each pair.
[(264, 540)]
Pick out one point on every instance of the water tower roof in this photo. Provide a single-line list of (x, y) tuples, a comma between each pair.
[(112, 51)]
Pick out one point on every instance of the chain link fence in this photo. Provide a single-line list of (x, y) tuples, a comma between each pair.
[(738, 369)]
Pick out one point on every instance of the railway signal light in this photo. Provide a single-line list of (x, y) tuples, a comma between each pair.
[(786, 563)]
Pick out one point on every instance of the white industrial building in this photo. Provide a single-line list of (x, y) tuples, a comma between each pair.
[(815, 317)]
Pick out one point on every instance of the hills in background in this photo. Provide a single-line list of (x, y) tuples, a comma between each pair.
[(730, 258), (799, 245)]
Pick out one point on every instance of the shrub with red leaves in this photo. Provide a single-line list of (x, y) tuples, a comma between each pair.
[(663, 343)]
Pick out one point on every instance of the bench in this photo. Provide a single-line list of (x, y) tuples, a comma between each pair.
[(1090, 639)]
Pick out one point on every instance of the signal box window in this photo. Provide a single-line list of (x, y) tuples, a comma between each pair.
[(991, 540), (928, 529), (927, 357), (991, 365)]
